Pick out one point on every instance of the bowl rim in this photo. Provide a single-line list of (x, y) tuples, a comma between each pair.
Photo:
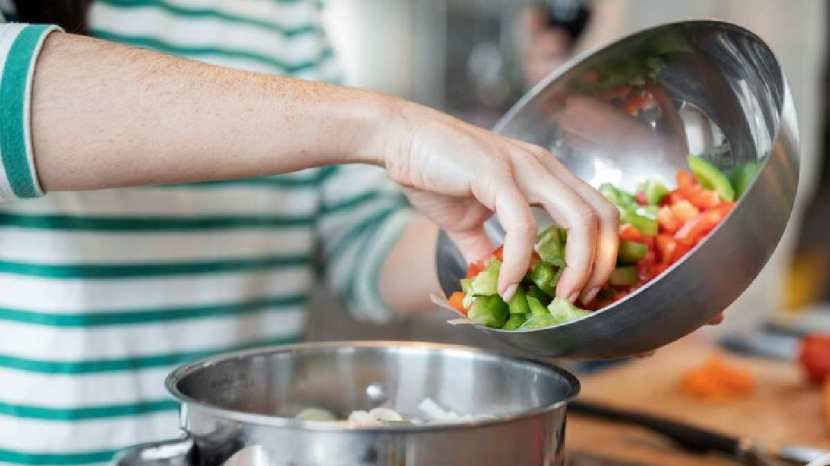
[(187, 402)]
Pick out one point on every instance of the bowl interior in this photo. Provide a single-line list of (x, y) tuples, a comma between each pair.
[(344, 377), (704, 87)]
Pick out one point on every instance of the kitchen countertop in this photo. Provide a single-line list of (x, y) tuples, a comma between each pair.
[(783, 408)]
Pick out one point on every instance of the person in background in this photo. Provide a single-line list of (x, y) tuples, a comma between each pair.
[(231, 182)]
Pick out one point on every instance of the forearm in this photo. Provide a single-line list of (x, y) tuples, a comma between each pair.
[(409, 276), (106, 115)]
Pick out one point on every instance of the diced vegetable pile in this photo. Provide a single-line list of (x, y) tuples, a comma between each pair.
[(658, 226)]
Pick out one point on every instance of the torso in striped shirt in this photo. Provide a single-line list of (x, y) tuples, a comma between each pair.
[(103, 293)]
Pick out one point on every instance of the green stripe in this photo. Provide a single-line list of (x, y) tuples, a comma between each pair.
[(90, 412), (153, 315), (151, 224), (85, 457), (380, 258), (190, 13), (13, 127), (145, 270), (358, 230), (192, 52), (127, 364), (364, 245)]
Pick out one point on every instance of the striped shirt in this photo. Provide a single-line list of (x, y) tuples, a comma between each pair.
[(103, 293)]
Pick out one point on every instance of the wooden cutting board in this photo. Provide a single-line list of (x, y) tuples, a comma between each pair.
[(783, 408)]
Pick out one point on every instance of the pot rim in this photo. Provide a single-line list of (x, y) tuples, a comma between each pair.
[(180, 373)]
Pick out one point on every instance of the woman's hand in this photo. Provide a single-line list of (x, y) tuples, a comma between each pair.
[(459, 175)]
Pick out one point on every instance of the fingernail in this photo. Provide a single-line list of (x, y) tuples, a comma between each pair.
[(590, 295), (508, 292), (572, 297)]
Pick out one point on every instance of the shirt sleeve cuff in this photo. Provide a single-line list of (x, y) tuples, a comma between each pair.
[(20, 45)]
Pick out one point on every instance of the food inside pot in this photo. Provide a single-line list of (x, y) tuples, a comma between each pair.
[(659, 226), (429, 412)]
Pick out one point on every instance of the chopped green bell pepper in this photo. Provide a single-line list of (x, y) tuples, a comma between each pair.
[(742, 176), (486, 282), (631, 252), (518, 303), (536, 307), (545, 277), (618, 197), (539, 321), (641, 218), (654, 191), (533, 291), (489, 310), (466, 288), (711, 178), (515, 321), (551, 246), (624, 276), (564, 311)]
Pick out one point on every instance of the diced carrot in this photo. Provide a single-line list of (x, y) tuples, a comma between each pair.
[(684, 211), (667, 220), (456, 301), (716, 379), (629, 232)]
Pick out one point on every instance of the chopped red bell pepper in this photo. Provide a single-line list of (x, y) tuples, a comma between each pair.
[(695, 229), (475, 268), (680, 251), (456, 301), (641, 198), (701, 198), (685, 179), (684, 211), (666, 246), (498, 253), (672, 198), (667, 220)]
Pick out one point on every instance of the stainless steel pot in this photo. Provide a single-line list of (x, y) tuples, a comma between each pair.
[(718, 92), (238, 409)]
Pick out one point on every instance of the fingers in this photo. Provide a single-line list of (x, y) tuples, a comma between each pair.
[(717, 319), (513, 211), (569, 210), (605, 257), (474, 244)]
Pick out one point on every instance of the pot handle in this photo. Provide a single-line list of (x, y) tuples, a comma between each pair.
[(177, 452)]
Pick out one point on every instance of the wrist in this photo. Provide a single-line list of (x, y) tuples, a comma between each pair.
[(389, 135)]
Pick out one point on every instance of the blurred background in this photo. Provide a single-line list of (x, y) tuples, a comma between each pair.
[(475, 58)]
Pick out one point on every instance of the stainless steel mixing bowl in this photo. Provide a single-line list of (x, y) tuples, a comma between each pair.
[(237, 408), (719, 92)]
